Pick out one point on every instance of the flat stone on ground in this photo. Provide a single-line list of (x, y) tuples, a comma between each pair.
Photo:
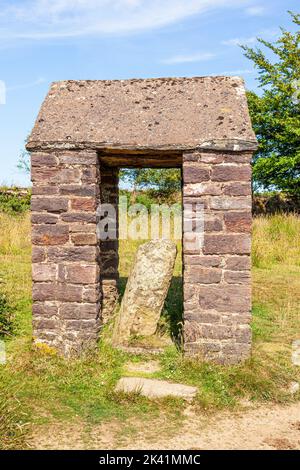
[(153, 388), (143, 367)]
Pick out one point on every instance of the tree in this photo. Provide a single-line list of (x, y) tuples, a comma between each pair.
[(276, 113), (161, 182)]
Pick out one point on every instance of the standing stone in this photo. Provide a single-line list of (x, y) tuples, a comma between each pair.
[(146, 290)]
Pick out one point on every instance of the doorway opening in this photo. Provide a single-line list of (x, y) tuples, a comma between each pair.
[(148, 198)]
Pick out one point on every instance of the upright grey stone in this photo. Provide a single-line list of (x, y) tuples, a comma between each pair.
[(146, 291)]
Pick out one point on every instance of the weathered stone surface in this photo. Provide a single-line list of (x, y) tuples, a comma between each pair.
[(228, 172), (153, 388), (202, 275), (195, 174), (231, 203), (83, 204), (238, 221), (50, 234), (78, 274), (225, 297), (41, 218), (226, 243), (84, 239), (44, 272), (146, 290), (238, 263), (49, 204), (76, 253), (197, 112)]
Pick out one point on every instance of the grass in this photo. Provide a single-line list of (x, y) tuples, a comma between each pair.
[(40, 388)]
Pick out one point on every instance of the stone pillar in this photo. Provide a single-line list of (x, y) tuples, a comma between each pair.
[(217, 294), (65, 254), (109, 248)]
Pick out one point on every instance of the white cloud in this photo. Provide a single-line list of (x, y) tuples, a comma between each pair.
[(265, 34), (42, 19), (181, 59), (257, 10), (239, 41)]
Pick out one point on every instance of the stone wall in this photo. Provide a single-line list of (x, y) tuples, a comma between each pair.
[(65, 252), (217, 296)]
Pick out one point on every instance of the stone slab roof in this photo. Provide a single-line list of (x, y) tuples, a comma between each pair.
[(142, 115)]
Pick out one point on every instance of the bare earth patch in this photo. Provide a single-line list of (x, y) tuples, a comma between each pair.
[(265, 427)]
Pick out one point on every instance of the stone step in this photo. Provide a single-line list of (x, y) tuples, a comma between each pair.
[(153, 388)]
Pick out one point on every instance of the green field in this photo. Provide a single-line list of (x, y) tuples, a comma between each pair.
[(38, 388)]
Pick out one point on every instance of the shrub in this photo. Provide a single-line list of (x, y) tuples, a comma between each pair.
[(6, 317), (14, 200)]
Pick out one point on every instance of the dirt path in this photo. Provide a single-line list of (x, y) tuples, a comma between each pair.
[(265, 427)]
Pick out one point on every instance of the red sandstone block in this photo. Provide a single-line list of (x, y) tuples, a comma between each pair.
[(226, 244), (192, 331), (238, 221), (43, 159), (195, 274), (201, 316), (49, 204), (56, 175), (79, 190), (211, 158), (82, 228), (227, 172), (230, 203), (76, 253), (83, 204), (78, 158), (38, 254), (91, 294), (193, 173), (50, 234), (208, 261), (42, 190), (78, 274), (42, 218), (79, 325), (237, 189), (238, 263), (243, 334), (89, 175), (82, 311), (84, 239), (44, 309), (44, 323), (225, 298), (190, 157), (199, 189), (87, 217), (238, 158), (59, 292), (189, 291), (44, 272), (237, 277), (216, 331)]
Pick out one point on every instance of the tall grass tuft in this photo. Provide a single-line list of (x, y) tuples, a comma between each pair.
[(14, 234), (276, 240)]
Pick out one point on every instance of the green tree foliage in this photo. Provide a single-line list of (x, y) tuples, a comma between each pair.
[(276, 113), (161, 182)]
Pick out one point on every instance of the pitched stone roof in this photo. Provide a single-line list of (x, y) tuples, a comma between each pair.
[(145, 115)]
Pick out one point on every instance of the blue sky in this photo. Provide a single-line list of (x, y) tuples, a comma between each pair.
[(47, 40)]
